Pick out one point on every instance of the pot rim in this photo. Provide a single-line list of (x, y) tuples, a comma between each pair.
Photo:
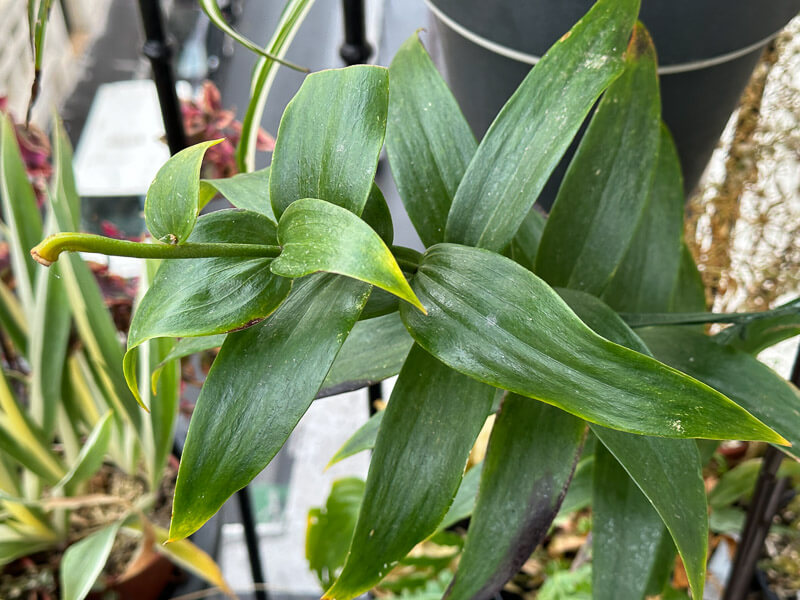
[(532, 59)]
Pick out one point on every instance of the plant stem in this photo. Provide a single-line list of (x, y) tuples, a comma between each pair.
[(47, 251)]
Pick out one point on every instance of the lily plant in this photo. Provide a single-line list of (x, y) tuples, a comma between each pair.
[(581, 325)]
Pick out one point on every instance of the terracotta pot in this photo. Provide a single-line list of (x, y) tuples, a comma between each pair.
[(146, 582)]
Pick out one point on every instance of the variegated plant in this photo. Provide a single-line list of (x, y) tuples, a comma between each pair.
[(505, 312), (65, 409)]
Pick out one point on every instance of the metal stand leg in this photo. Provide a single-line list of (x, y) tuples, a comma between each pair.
[(251, 539), (763, 507), (355, 50), (158, 50)]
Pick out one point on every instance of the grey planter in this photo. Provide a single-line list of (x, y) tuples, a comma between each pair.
[(707, 51)]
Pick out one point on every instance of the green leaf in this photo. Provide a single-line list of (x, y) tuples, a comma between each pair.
[(92, 319), (20, 214), (13, 319), (23, 441), (62, 182), (647, 277), (377, 215), (525, 244), (763, 330), (529, 462), (91, 456), (330, 529), (211, 8), (579, 493), (294, 12), (751, 384), (261, 383), (164, 409), (535, 127), (668, 472), (319, 236), (623, 520), (249, 191), (330, 139), (739, 483), (605, 189), (170, 209), (690, 293), (84, 561), (496, 321), (428, 141), (464, 501), (186, 347), (363, 439), (208, 296), (416, 467), (48, 342)]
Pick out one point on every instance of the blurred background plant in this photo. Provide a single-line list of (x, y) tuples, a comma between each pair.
[(85, 475)]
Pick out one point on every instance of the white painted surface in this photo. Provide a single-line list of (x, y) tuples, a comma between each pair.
[(320, 433), (121, 147)]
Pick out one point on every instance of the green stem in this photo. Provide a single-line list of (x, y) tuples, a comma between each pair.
[(47, 251)]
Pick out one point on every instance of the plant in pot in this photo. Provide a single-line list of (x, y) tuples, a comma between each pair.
[(82, 471), (582, 326)]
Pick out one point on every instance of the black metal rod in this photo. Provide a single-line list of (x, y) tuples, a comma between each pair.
[(251, 539), (763, 507), (374, 393), (356, 49), (159, 51)]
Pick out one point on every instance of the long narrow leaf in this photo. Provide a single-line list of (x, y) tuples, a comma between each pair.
[(49, 338), (622, 517), (256, 392), (91, 455), (83, 562), (750, 383), (374, 350), (646, 278), (494, 320), (294, 12), (211, 8), (529, 463), (605, 189), (428, 141), (319, 236), (668, 472), (535, 127), (20, 214), (335, 124), (416, 467)]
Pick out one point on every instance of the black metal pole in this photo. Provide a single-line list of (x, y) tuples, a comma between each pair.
[(159, 51), (251, 539), (763, 507), (356, 49)]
